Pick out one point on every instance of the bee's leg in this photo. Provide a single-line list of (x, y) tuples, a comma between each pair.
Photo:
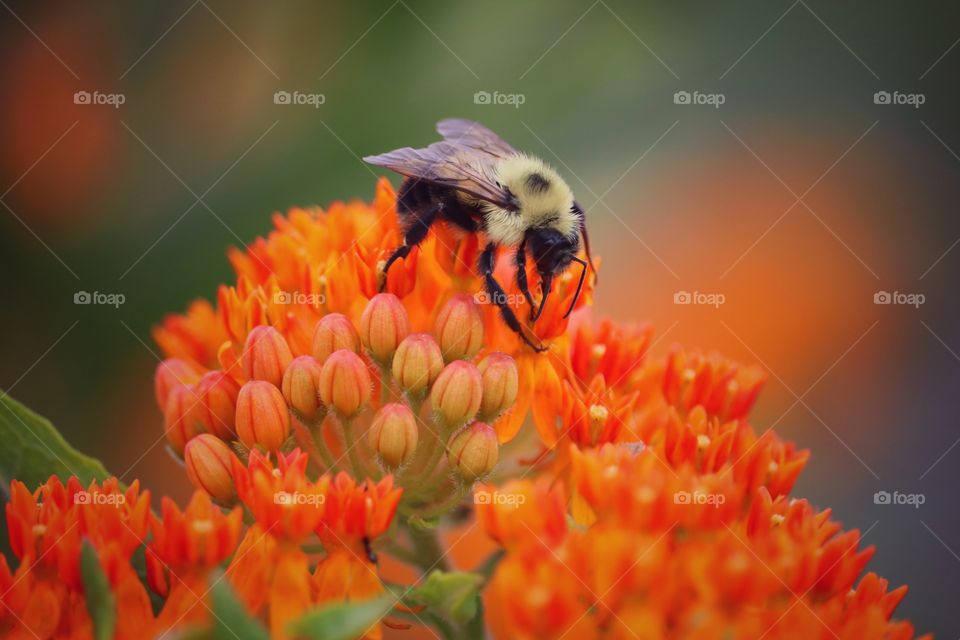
[(499, 296), (520, 259), (417, 230)]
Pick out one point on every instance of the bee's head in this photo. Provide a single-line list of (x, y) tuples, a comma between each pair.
[(551, 250)]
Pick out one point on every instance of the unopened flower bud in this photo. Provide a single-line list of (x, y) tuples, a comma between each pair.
[(393, 434), (474, 451), (459, 328), (178, 424), (334, 332), (345, 383), (417, 363), (207, 458), (456, 394), (501, 382), (171, 373), (266, 355), (383, 325), (300, 386), (262, 416), (216, 404)]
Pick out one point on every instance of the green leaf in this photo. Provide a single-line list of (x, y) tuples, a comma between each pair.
[(231, 620), (33, 449), (101, 605), (343, 620), (453, 594)]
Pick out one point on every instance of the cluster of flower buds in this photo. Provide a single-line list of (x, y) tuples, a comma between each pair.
[(438, 394)]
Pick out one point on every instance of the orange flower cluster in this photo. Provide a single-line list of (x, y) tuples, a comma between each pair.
[(347, 422), (673, 552), (267, 568)]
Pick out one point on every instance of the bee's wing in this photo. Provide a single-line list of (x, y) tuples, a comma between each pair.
[(451, 165), (467, 133)]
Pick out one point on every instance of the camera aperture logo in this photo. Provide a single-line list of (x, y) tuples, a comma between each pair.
[(900, 298), (511, 99), (97, 98), (898, 98), (699, 498), (714, 100), (98, 498), (299, 98), (499, 498), (98, 297), (911, 499), (295, 498), (299, 297), (699, 298)]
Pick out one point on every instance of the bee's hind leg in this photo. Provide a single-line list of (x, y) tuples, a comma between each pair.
[(414, 234), (499, 297)]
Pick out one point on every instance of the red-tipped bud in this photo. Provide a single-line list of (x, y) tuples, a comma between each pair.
[(456, 394), (171, 373), (417, 363), (345, 383), (474, 451), (301, 386), (262, 416), (393, 434), (334, 332), (266, 355), (501, 381), (178, 424), (216, 406), (459, 328), (207, 458), (383, 325)]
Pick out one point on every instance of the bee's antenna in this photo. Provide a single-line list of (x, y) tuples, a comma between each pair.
[(545, 285), (576, 296)]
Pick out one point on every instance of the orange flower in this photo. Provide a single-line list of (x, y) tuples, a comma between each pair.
[(186, 545), (282, 499)]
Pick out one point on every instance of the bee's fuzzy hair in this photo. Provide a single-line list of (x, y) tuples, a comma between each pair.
[(545, 201)]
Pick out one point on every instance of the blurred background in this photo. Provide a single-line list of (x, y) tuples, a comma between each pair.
[(793, 160)]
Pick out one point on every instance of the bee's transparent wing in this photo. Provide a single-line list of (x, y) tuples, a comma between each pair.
[(473, 135), (451, 165)]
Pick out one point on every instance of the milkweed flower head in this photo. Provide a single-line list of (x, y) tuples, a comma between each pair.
[(327, 424)]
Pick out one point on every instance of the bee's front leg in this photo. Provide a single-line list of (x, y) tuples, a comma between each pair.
[(499, 297), (520, 259)]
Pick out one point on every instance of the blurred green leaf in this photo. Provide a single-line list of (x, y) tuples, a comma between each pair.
[(101, 605), (33, 449), (343, 620), (231, 620), (453, 594)]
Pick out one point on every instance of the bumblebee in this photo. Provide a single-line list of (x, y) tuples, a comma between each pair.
[(475, 181)]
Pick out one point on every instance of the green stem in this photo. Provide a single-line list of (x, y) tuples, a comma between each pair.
[(445, 505), (356, 465), (386, 378), (427, 549), (315, 428)]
